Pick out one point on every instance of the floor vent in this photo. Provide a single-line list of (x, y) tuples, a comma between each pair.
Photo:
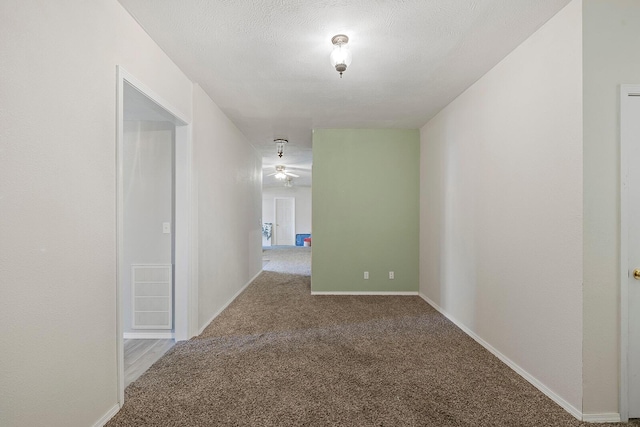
[(152, 296)]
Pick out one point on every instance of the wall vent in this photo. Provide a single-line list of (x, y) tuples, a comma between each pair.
[(152, 296)]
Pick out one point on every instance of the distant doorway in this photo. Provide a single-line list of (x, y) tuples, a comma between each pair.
[(285, 220)]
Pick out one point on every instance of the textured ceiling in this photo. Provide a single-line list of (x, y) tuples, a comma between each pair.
[(266, 62)]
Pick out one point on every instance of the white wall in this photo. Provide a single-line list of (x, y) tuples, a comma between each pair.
[(58, 192), (58, 202), (148, 200), (611, 35), (303, 207), (228, 174), (501, 207)]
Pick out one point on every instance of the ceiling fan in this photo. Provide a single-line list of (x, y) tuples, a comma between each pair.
[(281, 173)]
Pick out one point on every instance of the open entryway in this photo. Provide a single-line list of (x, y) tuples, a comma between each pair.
[(286, 219), (153, 228), (286, 205), (630, 253)]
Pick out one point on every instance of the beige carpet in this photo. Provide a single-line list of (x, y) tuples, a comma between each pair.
[(278, 356), (287, 259)]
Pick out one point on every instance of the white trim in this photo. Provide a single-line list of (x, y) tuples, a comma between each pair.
[(193, 236), (510, 363), (183, 250), (398, 293), (625, 140), (106, 417), (601, 418), (236, 295), (183, 267), (194, 272), (152, 95), (148, 335), (119, 231), (623, 405)]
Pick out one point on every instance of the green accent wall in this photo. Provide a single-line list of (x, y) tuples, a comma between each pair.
[(365, 207)]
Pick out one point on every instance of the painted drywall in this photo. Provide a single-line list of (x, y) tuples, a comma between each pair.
[(611, 34), (58, 201), (302, 195), (228, 182), (365, 210), (148, 200), (501, 207)]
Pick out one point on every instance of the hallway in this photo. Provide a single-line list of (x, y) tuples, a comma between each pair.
[(280, 356), (287, 259)]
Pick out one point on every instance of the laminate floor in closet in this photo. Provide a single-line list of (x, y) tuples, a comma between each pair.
[(139, 355)]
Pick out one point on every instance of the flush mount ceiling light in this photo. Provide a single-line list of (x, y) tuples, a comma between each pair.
[(341, 55), (280, 145)]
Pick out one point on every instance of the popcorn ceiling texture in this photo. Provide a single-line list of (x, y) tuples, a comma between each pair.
[(266, 62)]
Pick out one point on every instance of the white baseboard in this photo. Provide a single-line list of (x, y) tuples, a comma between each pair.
[(148, 335), (364, 293), (601, 418), (510, 363), (106, 417), (217, 313)]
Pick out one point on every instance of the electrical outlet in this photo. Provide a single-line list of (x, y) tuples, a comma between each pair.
[(366, 275), (166, 227), (392, 275)]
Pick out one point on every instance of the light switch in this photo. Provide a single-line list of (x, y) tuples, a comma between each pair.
[(166, 227)]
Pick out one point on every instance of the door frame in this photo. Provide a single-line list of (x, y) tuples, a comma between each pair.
[(185, 245), (626, 92), (275, 217)]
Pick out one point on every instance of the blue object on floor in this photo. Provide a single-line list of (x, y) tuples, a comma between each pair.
[(300, 239)]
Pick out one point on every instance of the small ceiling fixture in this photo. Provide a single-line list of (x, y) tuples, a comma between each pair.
[(288, 182), (280, 145), (341, 55)]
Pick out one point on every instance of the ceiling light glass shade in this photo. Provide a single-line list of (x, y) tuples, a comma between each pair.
[(280, 146), (341, 55), (281, 175)]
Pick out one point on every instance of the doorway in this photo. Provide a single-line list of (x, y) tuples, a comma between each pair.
[(155, 296), (630, 252), (285, 220)]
